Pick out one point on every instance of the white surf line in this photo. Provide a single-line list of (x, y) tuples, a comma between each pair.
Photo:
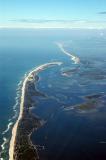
[(4, 142), (8, 128), (10, 120), (14, 130), (73, 57)]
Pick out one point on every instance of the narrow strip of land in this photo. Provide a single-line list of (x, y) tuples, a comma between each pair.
[(72, 56), (29, 79)]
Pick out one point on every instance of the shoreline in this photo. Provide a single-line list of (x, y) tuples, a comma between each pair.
[(15, 127), (73, 57)]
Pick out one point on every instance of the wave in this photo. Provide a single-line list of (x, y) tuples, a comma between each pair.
[(10, 120), (73, 57), (3, 147), (8, 127), (5, 140)]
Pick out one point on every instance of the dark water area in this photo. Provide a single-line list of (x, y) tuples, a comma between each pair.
[(70, 131)]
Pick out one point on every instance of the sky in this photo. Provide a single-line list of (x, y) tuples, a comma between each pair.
[(53, 14)]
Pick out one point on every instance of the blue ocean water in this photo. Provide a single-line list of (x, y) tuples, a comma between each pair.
[(21, 51)]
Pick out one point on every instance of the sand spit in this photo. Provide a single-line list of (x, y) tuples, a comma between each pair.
[(27, 78)]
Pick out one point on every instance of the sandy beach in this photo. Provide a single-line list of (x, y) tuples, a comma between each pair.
[(72, 56), (28, 77)]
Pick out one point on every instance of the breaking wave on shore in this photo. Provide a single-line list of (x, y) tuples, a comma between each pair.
[(7, 131)]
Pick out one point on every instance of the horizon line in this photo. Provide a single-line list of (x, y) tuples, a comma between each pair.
[(76, 28)]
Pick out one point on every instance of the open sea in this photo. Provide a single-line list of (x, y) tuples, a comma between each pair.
[(74, 109)]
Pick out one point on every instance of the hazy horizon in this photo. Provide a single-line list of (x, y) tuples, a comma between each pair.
[(56, 14)]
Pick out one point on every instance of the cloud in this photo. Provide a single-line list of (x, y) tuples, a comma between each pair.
[(104, 12), (42, 21)]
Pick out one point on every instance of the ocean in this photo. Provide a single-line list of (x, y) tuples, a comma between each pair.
[(71, 131)]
